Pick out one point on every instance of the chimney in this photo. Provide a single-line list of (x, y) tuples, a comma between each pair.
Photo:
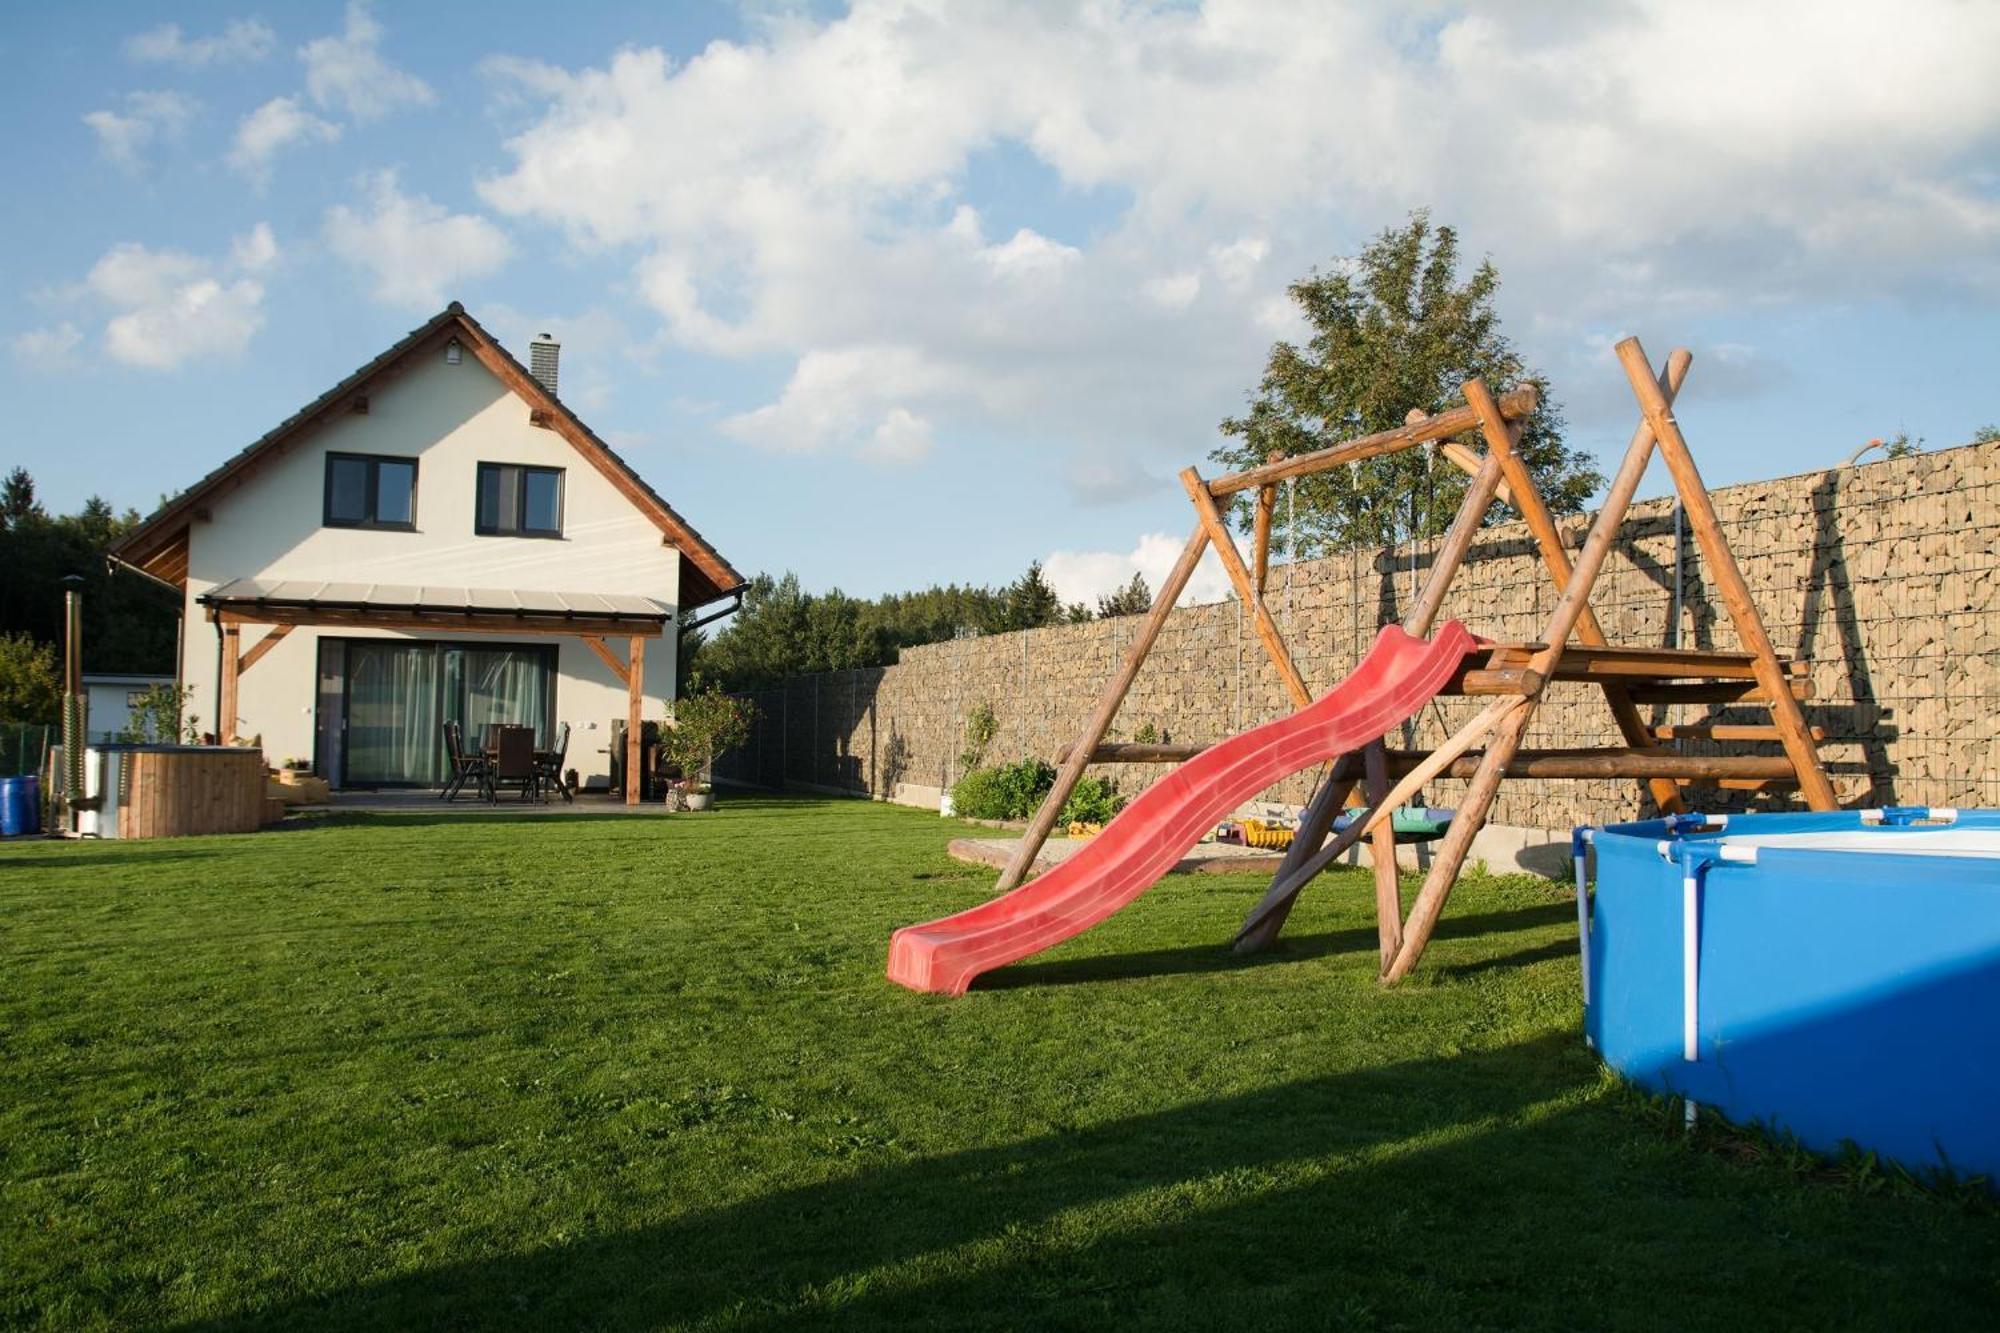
[(543, 354)]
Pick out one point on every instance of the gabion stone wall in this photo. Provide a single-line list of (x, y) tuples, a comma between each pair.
[(1881, 576)]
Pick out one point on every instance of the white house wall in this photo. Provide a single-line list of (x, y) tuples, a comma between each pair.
[(450, 418)]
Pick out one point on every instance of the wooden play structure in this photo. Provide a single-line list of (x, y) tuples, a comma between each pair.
[(1487, 749)]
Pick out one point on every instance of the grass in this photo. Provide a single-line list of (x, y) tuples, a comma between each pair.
[(433, 1071)]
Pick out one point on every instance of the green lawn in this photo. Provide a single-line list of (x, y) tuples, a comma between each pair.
[(600, 1072)]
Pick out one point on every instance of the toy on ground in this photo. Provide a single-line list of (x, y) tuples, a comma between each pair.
[(1406, 668)]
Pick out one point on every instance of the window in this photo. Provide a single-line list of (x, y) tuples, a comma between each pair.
[(366, 491), (517, 501)]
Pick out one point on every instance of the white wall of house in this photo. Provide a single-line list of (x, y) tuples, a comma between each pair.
[(108, 699), (450, 418)]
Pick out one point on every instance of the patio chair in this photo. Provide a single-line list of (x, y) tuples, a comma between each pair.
[(461, 765), (514, 764), (551, 763)]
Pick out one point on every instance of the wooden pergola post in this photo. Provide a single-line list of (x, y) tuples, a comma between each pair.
[(232, 645), (635, 719)]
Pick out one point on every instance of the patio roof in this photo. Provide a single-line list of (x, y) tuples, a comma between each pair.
[(433, 606)]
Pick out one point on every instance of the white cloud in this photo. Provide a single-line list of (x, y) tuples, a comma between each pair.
[(168, 308), (348, 72), (47, 349), (148, 118), (273, 127), (413, 249), (901, 438), (1236, 263), (1097, 478), (241, 41), (854, 397), (1173, 291), (1085, 576), (806, 193)]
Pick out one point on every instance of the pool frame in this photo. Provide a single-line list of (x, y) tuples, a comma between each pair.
[(1871, 1018)]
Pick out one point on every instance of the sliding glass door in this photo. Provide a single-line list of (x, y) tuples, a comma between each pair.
[(398, 694), (392, 715)]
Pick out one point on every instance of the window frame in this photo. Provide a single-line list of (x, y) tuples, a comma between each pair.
[(521, 471), (373, 492)]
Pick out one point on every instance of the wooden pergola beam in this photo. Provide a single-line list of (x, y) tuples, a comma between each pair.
[(272, 638), (435, 622), (610, 659), (635, 719)]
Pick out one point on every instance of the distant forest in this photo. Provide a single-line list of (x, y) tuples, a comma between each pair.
[(783, 630), (128, 621)]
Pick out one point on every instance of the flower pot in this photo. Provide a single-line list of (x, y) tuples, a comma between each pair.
[(700, 800)]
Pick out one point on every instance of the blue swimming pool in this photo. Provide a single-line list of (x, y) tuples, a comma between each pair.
[(1834, 976)]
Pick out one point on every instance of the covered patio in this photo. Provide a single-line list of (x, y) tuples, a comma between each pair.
[(278, 607)]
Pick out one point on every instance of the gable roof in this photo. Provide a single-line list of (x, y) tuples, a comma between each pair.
[(158, 546)]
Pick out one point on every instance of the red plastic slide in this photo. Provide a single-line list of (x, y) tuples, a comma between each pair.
[(1397, 677)]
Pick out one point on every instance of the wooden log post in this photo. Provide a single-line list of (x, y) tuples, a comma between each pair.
[(1501, 440), (635, 720), (1382, 851), (1514, 405), (1239, 578), (1108, 701), (1572, 605), (1700, 511), (232, 667), (1260, 546)]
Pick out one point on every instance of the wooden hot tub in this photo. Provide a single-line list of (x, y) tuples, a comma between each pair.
[(175, 791)]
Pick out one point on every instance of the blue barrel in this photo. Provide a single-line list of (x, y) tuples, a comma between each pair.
[(20, 806)]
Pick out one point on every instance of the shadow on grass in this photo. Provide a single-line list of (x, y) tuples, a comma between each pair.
[(1217, 956), (956, 1236)]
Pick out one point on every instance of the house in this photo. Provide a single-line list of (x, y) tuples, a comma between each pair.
[(436, 538), (109, 699)]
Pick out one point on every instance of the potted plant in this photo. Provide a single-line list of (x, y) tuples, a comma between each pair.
[(704, 723)]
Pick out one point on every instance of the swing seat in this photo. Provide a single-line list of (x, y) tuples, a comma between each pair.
[(1410, 823)]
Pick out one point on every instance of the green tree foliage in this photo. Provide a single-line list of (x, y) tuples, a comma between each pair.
[(1393, 329), (30, 681), (1985, 435), (1031, 602), (128, 622), (1134, 599), (784, 630)]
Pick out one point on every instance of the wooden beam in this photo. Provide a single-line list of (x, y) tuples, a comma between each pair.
[(1135, 752), (1260, 543), (635, 720), (604, 654), (1626, 762), (1257, 930), (1515, 405), (1465, 825), (434, 622), (232, 645), (1382, 851), (1108, 700), (264, 645), (1469, 463), (1315, 824), (1726, 731), (1458, 539), (1498, 680), (1720, 692), (1728, 579), (1239, 578)]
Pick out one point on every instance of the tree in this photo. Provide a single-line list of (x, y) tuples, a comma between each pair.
[(30, 683), (1393, 329), (1985, 435), (1134, 599), (1031, 602), (128, 622), (18, 504)]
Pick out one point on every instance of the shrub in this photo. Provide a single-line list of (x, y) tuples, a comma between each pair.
[(1006, 791), (1094, 801), (702, 724)]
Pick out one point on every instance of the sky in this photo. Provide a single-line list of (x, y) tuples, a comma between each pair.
[(907, 292)]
